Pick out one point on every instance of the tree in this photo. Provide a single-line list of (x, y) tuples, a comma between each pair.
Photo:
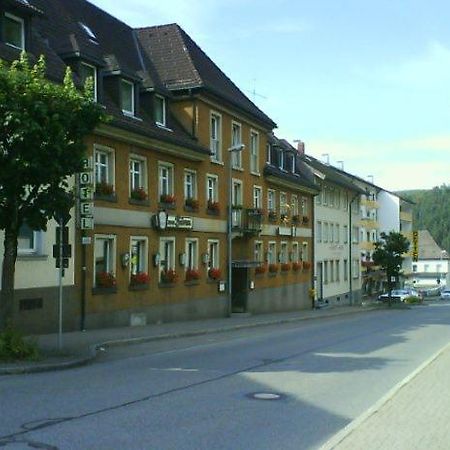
[(42, 126), (388, 254)]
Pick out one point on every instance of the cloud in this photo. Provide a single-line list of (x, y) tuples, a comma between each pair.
[(419, 163)]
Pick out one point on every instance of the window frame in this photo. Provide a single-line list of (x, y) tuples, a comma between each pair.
[(127, 112), (111, 263), (214, 261), (110, 165), (254, 152), (21, 22), (215, 187), (217, 140), (94, 77), (142, 160), (257, 199), (187, 246), (193, 174), (236, 157), (170, 178), (164, 110), (144, 255)]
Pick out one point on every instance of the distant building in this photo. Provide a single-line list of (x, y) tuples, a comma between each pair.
[(432, 270)]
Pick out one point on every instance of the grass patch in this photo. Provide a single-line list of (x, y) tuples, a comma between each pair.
[(14, 347)]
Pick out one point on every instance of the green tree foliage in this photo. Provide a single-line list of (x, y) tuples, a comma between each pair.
[(388, 255), (432, 213), (42, 126)]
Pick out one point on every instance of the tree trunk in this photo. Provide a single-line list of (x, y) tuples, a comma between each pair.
[(8, 271)]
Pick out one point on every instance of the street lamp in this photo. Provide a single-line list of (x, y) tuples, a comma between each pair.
[(233, 149)]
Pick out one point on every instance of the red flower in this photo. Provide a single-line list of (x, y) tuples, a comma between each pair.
[(260, 269), (139, 194), (139, 278), (214, 273), (167, 198), (296, 266), (105, 279), (213, 206), (285, 267), (169, 276), (192, 274)]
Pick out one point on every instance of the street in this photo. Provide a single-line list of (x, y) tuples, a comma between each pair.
[(199, 393)]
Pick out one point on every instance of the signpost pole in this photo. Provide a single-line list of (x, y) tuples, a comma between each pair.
[(60, 276)]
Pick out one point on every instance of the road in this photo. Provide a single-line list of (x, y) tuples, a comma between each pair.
[(198, 393)]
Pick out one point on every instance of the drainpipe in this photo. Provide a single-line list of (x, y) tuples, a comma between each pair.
[(350, 262)]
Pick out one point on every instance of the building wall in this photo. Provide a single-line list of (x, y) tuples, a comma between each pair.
[(333, 286)]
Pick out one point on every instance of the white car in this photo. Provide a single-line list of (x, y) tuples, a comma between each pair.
[(445, 294)]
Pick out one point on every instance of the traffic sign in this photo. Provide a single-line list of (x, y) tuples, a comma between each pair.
[(65, 264), (66, 251)]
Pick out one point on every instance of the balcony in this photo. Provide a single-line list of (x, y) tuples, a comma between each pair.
[(247, 221), (368, 223), (366, 245), (370, 203)]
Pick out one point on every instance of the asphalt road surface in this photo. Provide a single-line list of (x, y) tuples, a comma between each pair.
[(288, 386)]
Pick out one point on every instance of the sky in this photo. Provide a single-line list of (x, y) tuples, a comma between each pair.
[(363, 82)]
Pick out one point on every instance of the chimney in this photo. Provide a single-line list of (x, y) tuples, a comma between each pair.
[(300, 147)]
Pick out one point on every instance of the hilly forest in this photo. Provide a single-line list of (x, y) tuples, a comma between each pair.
[(432, 212)]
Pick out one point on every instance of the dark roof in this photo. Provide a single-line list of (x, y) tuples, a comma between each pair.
[(24, 6), (182, 64), (106, 42), (302, 176), (333, 174)]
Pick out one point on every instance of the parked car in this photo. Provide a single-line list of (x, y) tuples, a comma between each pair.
[(445, 294), (399, 295)]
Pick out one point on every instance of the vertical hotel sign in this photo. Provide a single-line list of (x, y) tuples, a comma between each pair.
[(415, 246), (86, 195)]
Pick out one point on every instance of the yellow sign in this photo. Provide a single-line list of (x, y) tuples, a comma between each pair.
[(415, 249)]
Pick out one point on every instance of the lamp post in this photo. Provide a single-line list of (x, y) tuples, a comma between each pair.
[(231, 150)]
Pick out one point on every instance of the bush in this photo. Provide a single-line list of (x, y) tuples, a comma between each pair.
[(13, 346), (413, 299)]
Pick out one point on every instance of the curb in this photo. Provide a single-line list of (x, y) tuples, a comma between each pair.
[(93, 349), (340, 436)]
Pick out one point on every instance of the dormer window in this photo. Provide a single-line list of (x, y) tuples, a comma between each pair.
[(14, 31), (281, 161), (89, 32), (88, 71), (127, 97), (160, 110)]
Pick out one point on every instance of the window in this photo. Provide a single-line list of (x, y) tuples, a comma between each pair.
[(167, 255), (356, 266), (281, 159), (331, 271), (104, 167), (319, 232), (28, 241), (127, 97), (346, 201), (138, 255), (338, 270), (212, 188), (284, 255), (89, 71), (272, 253), (236, 139), (257, 197), (304, 206), (258, 252), (213, 254), (268, 154), (325, 272), (165, 180), (305, 253), (215, 137), (294, 205), (345, 270), (355, 235), (331, 238), (319, 196), (345, 234), (190, 184), (283, 204), (414, 267), (192, 254), (160, 110), (326, 232), (237, 203), (14, 31), (271, 203), (295, 252), (338, 233), (104, 257), (254, 152), (138, 179)]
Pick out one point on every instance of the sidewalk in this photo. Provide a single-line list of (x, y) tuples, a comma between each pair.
[(81, 347), (414, 415)]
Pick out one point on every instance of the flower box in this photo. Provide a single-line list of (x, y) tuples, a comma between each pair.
[(168, 276), (296, 266), (260, 270), (213, 207), (214, 273), (104, 189), (273, 268), (192, 204), (192, 275), (306, 265), (105, 280), (285, 267), (167, 199), (138, 194), (140, 278)]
